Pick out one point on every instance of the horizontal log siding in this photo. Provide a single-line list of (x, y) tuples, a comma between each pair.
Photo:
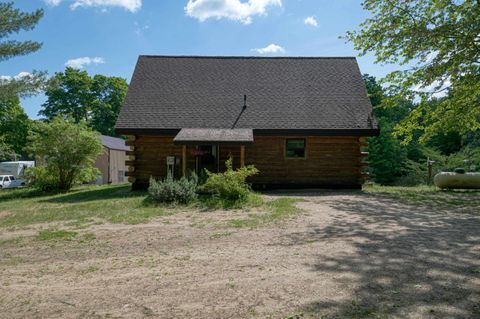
[(225, 152), (151, 158), (331, 161)]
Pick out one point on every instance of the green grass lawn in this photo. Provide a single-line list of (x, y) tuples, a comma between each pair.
[(88, 205), (83, 205)]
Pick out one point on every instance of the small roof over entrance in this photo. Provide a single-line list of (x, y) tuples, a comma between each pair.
[(217, 136)]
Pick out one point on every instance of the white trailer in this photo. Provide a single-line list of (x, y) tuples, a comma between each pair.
[(17, 169)]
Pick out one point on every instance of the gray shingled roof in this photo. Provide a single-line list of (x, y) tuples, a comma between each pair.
[(282, 94), (114, 143), (192, 135)]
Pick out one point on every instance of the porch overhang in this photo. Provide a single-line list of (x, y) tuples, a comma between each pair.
[(197, 136)]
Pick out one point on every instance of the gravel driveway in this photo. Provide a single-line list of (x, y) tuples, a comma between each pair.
[(348, 255)]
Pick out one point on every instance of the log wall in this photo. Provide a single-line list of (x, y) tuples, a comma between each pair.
[(329, 161)]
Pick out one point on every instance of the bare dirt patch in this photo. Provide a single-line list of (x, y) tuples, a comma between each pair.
[(349, 255)]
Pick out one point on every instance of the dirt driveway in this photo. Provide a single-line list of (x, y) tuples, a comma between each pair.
[(348, 255)]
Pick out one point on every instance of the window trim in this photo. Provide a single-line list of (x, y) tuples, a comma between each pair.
[(286, 149)]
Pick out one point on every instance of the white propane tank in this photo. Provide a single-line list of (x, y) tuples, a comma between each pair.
[(456, 180)]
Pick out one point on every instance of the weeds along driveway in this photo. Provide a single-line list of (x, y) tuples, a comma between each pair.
[(348, 255)]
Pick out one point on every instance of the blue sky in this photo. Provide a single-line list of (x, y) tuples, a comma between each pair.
[(106, 36)]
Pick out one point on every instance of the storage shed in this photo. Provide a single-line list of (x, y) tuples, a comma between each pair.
[(112, 162)]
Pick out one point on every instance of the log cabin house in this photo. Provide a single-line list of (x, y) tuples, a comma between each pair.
[(302, 121)]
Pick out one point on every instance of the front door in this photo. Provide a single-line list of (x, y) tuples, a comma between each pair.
[(207, 158)]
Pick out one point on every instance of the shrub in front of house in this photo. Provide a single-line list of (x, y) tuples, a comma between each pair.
[(230, 185), (170, 190)]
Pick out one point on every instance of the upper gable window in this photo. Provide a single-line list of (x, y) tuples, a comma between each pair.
[(295, 148)]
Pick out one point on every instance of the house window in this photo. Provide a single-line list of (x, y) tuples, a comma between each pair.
[(295, 148)]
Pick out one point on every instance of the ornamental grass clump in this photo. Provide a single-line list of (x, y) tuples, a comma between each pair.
[(230, 185), (170, 190)]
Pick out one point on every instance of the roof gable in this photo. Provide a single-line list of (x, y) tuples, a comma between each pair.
[(282, 94)]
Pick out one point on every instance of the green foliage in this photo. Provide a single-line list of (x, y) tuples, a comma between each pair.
[(68, 150), (6, 151), (169, 190), (42, 178), (14, 124), (13, 21), (24, 85), (396, 163), (231, 184), (446, 143), (96, 100), (386, 156), (374, 90), (468, 156), (439, 42)]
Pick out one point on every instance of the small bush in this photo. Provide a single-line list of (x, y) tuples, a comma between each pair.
[(41, 179), (46, 180), (230, 185), (170, 190)]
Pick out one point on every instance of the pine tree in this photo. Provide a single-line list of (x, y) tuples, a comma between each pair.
[(13, 21)]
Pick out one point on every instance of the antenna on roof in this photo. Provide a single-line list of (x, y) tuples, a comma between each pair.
[(244, 101)]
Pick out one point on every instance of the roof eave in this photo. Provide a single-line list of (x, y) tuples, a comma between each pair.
[(260, 132)]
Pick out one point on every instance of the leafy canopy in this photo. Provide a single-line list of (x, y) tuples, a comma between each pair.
[(13, 21), (96, 100), (68, 152), (438, 44), (6, 151), (14, 125)]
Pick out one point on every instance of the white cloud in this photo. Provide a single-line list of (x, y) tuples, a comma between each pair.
[(437, 89), (311, 21), (19, 76), (432, 55), (229, 9), (80, 63), (270, 49), (130, 5), (53, 2)]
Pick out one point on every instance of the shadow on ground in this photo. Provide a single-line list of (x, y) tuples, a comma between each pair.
[(407, 260), (25, 193), (94, 194)]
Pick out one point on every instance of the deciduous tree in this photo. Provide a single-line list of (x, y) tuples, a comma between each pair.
[(96, 100), (14, 124), (437, 43), (68, 152)]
